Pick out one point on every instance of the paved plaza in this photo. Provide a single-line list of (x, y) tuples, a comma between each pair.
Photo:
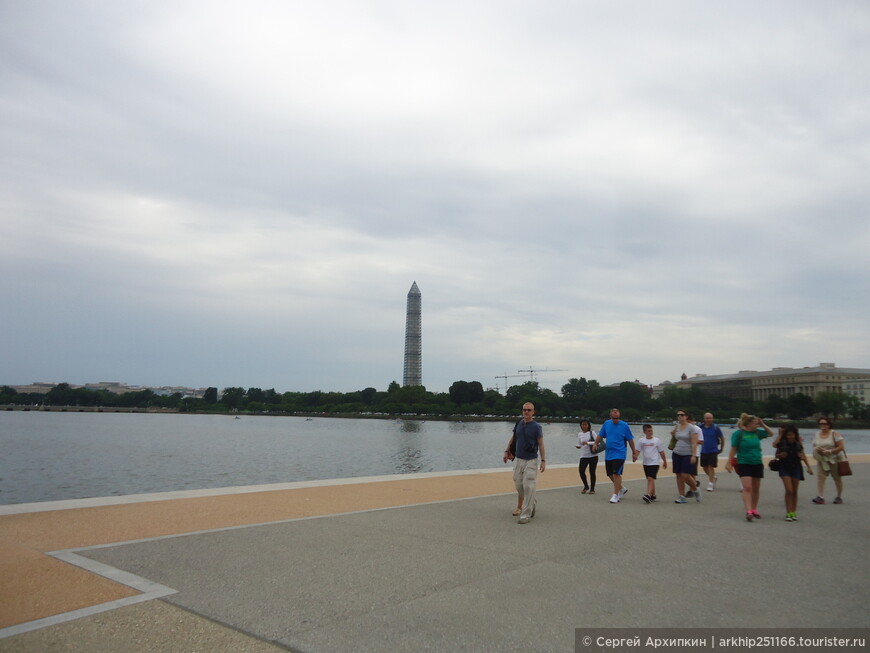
[(423, 563)]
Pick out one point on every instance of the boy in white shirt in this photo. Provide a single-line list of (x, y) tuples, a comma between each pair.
[(652, 450)]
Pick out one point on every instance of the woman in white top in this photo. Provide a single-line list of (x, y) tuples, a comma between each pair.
[(828, 448), (588, 458)]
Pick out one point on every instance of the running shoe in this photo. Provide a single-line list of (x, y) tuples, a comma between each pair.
[(623, 492), (697, 496), (819, 500), (748, 516), (755, 514), (646, 498), (710, 486), (788, 517), (680, 500), (794, 516), (838, 500), (654, 498), (614, 499)]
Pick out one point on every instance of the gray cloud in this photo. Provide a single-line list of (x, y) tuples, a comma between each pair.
[(216, 195)]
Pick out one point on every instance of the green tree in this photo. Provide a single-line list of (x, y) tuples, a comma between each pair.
[(517, 395), (776, 405), (210, 396), (369, 396), (255, 394), (233, 398), (632, 395), (466, 392), (800, 405), (831, 403), (9, 395), (410, 395)]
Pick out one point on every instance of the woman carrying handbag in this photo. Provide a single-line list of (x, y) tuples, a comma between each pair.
[(829, 449), (588, 458), (788, 461)]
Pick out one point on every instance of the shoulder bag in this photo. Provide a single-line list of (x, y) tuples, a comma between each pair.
[(843, 466)]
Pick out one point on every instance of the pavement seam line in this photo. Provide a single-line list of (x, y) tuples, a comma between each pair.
[(149, 591)]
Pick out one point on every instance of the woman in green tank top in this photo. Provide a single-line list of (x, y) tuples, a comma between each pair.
[(745, 455)]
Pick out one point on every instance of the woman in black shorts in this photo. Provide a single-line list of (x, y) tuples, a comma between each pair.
[(745, 456)]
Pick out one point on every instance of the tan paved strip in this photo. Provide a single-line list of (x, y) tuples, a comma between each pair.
[(36, 586)]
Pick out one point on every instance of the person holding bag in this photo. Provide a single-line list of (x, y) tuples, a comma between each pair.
[(789, 456), (829, 448), (588, 458)]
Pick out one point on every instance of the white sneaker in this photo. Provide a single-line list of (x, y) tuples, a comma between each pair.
[(710, 486), (614, 499), (622, 492)]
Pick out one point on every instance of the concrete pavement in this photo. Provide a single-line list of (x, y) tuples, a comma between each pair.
[(426, 562)]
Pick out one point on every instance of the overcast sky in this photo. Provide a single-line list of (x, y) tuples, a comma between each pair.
[(241, 194)]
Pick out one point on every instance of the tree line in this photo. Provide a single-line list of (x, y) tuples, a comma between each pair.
[(578, 398)]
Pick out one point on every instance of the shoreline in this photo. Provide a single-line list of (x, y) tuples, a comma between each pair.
[(727, 423)]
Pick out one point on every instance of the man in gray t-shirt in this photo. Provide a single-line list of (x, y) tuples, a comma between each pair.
[(528, 440)]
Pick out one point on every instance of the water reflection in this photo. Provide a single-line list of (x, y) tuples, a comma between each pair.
[(465, 427), (408, 456)]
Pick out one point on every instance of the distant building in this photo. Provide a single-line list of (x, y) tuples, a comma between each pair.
[(39, 387), (115, 387), (659, 390), (413, 373), (859, 388), (780, 382)]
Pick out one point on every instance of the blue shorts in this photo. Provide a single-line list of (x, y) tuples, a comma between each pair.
[(615, 466), (684, 465), (791, 472)]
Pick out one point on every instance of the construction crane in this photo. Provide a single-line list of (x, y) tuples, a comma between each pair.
[(505, 377), (533, 373)]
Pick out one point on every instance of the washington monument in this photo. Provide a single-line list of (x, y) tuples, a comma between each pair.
[(413, 374)]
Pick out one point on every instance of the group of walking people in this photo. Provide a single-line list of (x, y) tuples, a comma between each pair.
[(744, 458), (692, 446)]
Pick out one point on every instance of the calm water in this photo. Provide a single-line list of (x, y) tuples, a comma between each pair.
[(52, 456)]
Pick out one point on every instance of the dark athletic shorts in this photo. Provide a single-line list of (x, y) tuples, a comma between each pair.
[(795, 471), (753, 471), (651, 471), (709, 460), (684, 465), (614, 466)]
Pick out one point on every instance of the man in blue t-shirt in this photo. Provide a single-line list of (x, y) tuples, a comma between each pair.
[(618, 434), (712, 446), (528, 440)]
